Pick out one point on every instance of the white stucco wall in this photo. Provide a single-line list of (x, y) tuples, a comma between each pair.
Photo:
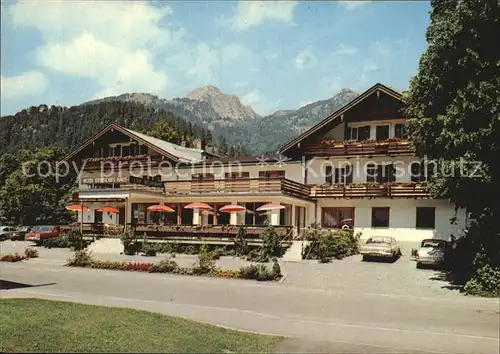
[(402, 218)]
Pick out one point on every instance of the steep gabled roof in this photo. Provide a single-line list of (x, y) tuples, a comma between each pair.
[(174, 152), (336, 116)]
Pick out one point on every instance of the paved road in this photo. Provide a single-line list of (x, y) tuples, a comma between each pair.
[(322, 320)]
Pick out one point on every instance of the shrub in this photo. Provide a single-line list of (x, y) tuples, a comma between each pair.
[(276, 270), (205, 262), (256, 271), (12, 258), (328, 245), (31, 253), (56, 242), (257, 255), (136, 266), (148, 248), (271, 242), (106, 264), (129, 241), (166, 265), (75, 240), (485, 282), (240, 244), (81, 258), (225, 273)]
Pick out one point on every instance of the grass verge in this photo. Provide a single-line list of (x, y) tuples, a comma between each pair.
[(32, 325)]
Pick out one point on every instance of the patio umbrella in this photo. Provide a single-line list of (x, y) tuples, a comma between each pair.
[(232, 208), (270, 206), (208, 212), (162, 208), (78, 207), (109, 209), (202, 206)]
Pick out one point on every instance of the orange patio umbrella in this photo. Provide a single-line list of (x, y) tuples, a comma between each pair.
[(202, 206), (270, 206), (76, 207), (109, 209), (232, 208), (161, 208)]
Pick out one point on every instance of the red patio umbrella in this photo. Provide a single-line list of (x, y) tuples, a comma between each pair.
[(76, 207), (270, 206), (232, 208), (162, 208), (202, 206), (109, 209)]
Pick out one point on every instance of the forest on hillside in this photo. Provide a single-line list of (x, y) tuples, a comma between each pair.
[(67, 127)]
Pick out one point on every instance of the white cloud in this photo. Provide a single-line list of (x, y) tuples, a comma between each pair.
[(331, 85), (29, 83), (367, 69), (260, 103), (343, 49), (111, 42), (380, 48), (305, 60), (116, 69), (353, 5), (252, 13)]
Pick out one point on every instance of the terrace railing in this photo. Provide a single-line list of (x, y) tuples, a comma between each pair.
[(359, 148), (395, 190), (237, 186)]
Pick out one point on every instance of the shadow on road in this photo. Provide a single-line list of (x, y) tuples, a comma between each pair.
[(7, 285), (380, 259), (454, 282)]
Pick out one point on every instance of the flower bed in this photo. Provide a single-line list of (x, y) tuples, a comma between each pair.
[(204, 266), (12, 258)]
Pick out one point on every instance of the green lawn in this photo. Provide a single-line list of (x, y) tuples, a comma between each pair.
[(30, 325)]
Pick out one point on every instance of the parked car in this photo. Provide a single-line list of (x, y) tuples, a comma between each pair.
[(5, 231), (380, 247), (42, 232), (19, 233), (433, 252)]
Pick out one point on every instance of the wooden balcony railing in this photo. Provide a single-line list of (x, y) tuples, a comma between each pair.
[(238, 186), (359, 149), (397, 190)]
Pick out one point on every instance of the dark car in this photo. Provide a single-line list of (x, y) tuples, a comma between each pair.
[(20, 233)]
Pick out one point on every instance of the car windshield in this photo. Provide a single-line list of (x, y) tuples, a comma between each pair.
[(379, 240), (24, 228), (41, 229)]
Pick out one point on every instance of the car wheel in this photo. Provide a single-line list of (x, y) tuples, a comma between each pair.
[(365, 258), (419, 265)]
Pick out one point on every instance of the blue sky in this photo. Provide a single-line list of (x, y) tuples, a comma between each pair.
[(272, 54)]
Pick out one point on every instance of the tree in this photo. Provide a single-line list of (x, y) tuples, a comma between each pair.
[(454, 107), (164, 130)]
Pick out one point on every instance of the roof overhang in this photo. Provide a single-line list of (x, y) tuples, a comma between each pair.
[(336, 117), (124, 131)]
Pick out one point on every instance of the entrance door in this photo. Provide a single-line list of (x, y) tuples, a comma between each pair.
[(121, 217), (97, 217)]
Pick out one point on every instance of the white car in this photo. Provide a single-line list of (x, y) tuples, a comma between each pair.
[(5, 231), (380, 247)]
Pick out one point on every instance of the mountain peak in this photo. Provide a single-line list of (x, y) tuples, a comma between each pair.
[(227, 106)]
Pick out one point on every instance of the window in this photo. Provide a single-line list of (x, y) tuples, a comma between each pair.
[(337, 217), (118, 151), (364, 133), (382, 132), (380, 217), (237, 175), (352, 133), (426, 218), (133, 150), (418, 172), (126, 150), (144, 150), (272, 174), (328, 175), (343, 175), (399, 131), (380, 173)]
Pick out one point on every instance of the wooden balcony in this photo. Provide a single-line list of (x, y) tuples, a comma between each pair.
[(396, 190), (246, 186), (125, 187), (359, 149)]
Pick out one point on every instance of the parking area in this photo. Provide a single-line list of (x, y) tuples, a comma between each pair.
[(400, 278)]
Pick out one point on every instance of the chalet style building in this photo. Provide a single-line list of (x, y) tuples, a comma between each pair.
[(354, 169)]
